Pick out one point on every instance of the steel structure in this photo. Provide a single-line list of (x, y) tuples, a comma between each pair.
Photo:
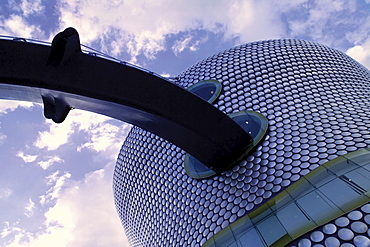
[(317, 102)]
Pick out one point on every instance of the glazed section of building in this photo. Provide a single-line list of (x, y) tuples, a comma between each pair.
[(317, 103)]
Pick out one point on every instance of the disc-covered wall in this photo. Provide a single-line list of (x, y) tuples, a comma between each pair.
[(317, 103)]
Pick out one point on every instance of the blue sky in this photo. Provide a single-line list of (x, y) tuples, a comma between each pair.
[(55, 184)]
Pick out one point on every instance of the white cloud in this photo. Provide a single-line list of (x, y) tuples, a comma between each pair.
[(16, 25), (26, 157), (360, 37), (83, 214), (58, 179), (57, 135), (140, 27), (188, 42), (103, 136), (323, 21), (10, 105), (21, 236), (7, 230), (197, 43), (361, 53), (51, 160), (2, 138), (5, 193), (27, 7), (180, 45), (28, 209)]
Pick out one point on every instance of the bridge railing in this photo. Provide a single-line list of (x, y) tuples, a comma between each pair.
[(90, 51)]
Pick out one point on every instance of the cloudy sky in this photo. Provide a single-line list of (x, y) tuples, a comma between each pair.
[(56, 180)]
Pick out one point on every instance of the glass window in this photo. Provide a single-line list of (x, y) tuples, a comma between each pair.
[(234, 244), (254, 123), (224, 238), (320, 176), (259, 214), (300, 188), (196, 169), (332, 190), (279, 201), (343, 166), (271, 229), (317, 207), (360, 157), (250, 123), (251, 238), (208, 90), (339, 192), (359, 179), (293, 219)]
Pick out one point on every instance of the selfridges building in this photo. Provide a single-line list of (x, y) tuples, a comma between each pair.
[(306, 183)]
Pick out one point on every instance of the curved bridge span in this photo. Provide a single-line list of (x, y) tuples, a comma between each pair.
[(63, 78)]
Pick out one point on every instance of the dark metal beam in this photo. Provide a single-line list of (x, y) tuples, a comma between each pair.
[(31, 71)]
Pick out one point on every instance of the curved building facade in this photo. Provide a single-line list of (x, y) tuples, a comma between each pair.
[(317, 103)]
